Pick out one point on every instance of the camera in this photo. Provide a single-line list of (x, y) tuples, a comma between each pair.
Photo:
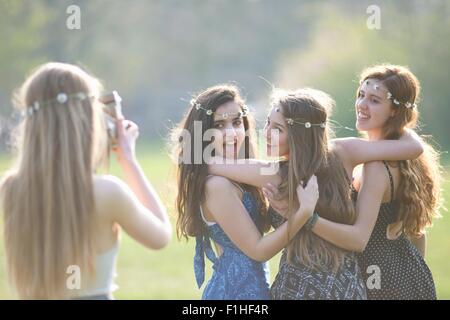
[(113, 111)]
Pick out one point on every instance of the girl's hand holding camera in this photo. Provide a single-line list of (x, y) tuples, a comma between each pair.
[(127, 133)]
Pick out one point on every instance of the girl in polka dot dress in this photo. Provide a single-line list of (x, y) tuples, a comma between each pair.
[(396, 201)]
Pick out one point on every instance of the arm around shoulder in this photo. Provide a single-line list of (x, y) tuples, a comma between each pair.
[(355, 151)]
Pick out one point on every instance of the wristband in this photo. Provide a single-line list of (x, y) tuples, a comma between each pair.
[(312, 221)]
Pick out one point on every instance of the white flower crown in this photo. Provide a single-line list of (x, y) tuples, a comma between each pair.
[(307, 124), (194, 104), (389, 96), (61, 98)]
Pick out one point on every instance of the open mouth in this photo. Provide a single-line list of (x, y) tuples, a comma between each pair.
[(362, 116)]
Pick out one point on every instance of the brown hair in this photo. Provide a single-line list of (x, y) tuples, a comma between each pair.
[(419, 194), (191, 176), (309, 154), (48, 198)]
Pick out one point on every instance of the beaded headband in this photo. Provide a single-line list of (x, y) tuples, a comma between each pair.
[(61, 98), (307, 124), (389, 96), (226, 115)]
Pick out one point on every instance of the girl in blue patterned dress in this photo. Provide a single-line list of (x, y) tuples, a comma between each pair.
[(215, 208)]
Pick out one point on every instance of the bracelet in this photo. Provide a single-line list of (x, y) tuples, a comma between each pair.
[(312, 221)]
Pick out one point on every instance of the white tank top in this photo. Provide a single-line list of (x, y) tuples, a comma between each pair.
[(105, 272)]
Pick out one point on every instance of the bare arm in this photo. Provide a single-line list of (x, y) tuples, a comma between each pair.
[(136, 219), (253, 172), (421, 244), (137, 207), (143, 189), (223, 202), (128, 132), (355, 237), (354, 151)]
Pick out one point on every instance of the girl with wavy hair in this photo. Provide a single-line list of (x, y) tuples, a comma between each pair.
[(312, 268), (232, 214), (396, 200)]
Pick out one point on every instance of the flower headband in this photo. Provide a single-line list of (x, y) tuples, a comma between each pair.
[(226, 115), (389, 96), (61, 98), (307, 124)]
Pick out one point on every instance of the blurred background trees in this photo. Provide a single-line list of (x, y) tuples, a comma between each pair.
[(158, 53)]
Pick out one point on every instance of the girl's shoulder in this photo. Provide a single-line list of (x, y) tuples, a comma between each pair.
[(107, 184), (378, 175), (220, 187), (374, 167), (7, 179), (108, 191), (222, 184)]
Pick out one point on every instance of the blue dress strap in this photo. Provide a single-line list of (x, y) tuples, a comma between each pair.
[(202, 247)]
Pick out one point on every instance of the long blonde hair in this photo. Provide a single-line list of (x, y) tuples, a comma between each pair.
[(48, 197), (419, 192), (309, 154)]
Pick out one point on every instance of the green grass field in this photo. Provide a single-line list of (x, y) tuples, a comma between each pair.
[(168, 273)]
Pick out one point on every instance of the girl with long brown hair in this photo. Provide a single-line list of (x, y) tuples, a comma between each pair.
[(311, 268), (398, 200), (62, 220), (232, 215)]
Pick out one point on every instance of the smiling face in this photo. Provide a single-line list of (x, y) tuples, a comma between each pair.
[(228, 119), (373, 108), (275, 132)]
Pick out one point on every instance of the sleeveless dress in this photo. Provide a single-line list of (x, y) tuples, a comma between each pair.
[(404, 274), (235, 275), (299, 282)]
